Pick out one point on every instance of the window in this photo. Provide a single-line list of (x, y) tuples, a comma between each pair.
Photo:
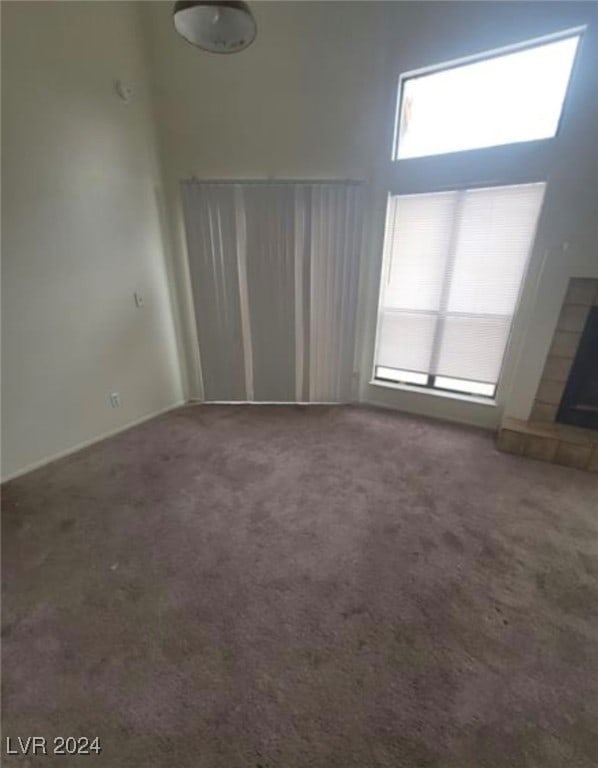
[(460, 226), (513, 97), (454, 265)]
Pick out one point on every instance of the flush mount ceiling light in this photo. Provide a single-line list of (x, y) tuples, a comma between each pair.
[(218, 26)]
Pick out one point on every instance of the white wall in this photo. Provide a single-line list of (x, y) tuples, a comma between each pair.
[(315, 97), (80, 232)]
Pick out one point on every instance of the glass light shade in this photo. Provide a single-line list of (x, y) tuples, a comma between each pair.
[(218, 26)]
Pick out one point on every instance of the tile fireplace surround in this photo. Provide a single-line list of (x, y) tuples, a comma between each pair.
[(542, 437)]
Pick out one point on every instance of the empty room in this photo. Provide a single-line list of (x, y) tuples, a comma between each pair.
[(299, 384)]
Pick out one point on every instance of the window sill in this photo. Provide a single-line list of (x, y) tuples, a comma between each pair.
[(488, 401)]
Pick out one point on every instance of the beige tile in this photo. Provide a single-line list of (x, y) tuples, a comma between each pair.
[(543, 412), (550, 392), (567, 433), (572, 318), (543, 448), (511, 442), (539, 428), (571, 455), (581, 290), (515, 425), (557, 368), (593, 465), (565, 344)]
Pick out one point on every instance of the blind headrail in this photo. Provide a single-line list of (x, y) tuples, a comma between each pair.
[(273, 180)]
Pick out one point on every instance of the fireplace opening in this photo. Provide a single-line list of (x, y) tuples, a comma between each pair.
[(579, 404)]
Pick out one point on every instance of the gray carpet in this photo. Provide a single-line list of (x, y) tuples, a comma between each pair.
[(290, 587)]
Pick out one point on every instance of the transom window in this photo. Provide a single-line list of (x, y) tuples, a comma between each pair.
[(503, 99)]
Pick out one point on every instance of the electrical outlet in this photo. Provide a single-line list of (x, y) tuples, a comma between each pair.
[(138, 300), (115, 399)]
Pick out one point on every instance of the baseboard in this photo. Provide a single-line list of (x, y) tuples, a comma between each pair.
[(481, 422), (441, 417), (80, 446), (263, 402)]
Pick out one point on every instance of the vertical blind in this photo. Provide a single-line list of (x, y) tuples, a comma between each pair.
[(275, 270), (454, 264)]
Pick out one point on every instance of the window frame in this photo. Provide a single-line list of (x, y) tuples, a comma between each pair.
[(495, 53), (522, 162), (431, 383), (429, 386)]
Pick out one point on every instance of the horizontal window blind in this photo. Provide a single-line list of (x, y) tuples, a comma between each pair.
[(454, 263)]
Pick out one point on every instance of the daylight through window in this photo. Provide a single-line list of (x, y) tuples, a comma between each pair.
[(454, 265), (507, 98)]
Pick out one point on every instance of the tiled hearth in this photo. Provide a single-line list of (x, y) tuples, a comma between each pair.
[(558, 443), (542, 437)]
